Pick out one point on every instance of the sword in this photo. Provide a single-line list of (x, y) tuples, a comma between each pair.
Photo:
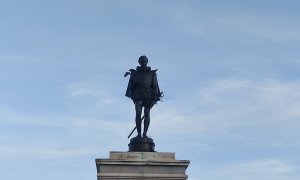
[(135, 127)]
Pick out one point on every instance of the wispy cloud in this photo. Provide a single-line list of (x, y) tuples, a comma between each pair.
[(13, 58), (61, 136), (89, 97), (234, 24), (45, 152), (233, 108), (236, 108), (88, 88), (269, 169), (270, 96)]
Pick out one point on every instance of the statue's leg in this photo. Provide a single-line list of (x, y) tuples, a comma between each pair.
[(147, 120), (138, 120)]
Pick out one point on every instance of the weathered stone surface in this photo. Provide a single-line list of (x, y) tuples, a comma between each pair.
[(158, 156), (141, 165)]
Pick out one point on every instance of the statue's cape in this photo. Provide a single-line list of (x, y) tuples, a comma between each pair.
[(129, 90)]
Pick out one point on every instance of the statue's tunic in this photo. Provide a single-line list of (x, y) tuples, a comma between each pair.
[(143, 85)]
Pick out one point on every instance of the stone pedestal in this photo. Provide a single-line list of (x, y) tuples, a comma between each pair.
[(141, 165)]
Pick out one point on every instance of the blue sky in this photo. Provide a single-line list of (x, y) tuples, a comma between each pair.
[(229, 71)]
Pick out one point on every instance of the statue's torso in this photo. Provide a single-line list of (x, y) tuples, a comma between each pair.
[(143, 78), (143, 84)]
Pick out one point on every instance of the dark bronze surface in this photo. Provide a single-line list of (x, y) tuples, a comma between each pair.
[(144, 91), (141, 144)]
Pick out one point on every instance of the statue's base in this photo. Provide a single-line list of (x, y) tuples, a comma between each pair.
[(141, 144), (141, 165)]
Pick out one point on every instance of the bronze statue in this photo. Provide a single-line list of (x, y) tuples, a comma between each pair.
[(144, 91)]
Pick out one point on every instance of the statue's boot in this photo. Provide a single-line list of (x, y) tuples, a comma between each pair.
[(146, 126), (145, 135), (138, 126)]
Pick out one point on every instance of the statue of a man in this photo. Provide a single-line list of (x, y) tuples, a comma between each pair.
[(144, 91)]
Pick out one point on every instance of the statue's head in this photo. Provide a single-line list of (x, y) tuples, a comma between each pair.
[(143, 61)]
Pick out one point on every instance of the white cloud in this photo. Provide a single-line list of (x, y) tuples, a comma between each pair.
[(276, 99), (13, 58), (216, 110), (65, 121), (265, 112), (267, 169), (89, 88), (45, 152), (93, 98), (94, 91), (215, 26), (61, 136)]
